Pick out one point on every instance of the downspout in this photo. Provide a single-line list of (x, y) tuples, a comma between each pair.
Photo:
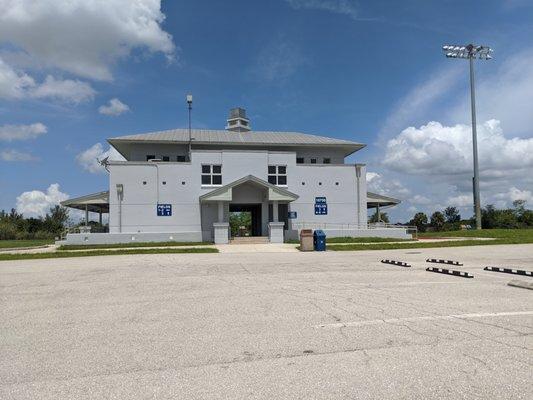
[(358, 176)]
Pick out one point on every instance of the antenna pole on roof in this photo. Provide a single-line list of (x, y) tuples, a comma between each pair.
[(189, 103)]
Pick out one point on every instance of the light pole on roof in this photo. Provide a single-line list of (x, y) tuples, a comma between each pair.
[(472, 52)]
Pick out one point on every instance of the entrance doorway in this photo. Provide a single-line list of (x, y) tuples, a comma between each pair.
[(245, 219)]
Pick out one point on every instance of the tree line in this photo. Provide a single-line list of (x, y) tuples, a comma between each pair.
[(491, 217), (14, 226)]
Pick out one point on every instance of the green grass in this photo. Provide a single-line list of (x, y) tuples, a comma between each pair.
[(131, 245), (356, 240), (67, 254), (510, 234), (500, 236), (8, 244)]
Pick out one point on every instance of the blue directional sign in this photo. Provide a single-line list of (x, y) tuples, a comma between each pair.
[(164, 210), (321, 206), (293, 215)]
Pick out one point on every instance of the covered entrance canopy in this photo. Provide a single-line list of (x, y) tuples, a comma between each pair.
[(378, 201), (266, 203), (225, 193), (95, 202)]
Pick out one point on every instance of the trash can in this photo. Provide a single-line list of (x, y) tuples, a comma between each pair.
[(319, 240), (306, 240)]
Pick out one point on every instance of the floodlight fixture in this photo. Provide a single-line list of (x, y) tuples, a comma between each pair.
[(471, 52)]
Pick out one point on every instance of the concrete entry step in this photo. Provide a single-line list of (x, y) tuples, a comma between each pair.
[(249, 240)]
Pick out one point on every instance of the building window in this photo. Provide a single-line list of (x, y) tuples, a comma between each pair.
[(166, 158), (164, 182), (211, 175), (144, 182), (180, 159), (313, 160), (299, 160), (150, 157), (277, 175), (327, 160)]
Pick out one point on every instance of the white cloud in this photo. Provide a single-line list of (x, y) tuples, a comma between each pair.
[(419, 199), (114, 107), (9, 133), (13, 84), (73, 91), (515, 194), (37, 203), (277, 61), (416, 103), (84, 37), (15, 155), (88, 159), (19, 85), (376, 183), (504, 91), (434, 149), (345, 7), (461, 200)]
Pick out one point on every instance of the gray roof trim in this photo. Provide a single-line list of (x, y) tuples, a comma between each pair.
[(249, 178)]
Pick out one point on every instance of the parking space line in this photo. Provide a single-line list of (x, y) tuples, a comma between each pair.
[(425, 318)]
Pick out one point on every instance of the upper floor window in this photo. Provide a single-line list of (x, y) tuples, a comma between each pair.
[(277, 175), (313, 160), (327, 161), (150, 157), (166, 158), (299, 160), (211, 174), (180, 159)]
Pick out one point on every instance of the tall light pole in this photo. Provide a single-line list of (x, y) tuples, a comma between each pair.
[(189, 104), (472, 52)]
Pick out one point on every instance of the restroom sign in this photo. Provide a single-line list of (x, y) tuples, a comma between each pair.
[(164, 210), (321, 206)]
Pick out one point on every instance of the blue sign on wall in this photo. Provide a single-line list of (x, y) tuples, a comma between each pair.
[(293, 215), (164, 210), (321, 206)]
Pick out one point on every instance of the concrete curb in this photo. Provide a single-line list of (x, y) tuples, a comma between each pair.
[(509, 271), (440, 261), (399, 263), (450, 272), (521, 284)]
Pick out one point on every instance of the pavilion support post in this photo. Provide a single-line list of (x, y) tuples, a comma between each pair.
[(100, 217), (86, 215), (379, 213)]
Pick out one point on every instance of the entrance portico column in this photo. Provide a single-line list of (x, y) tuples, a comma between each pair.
[(220, 211), (275, 213)]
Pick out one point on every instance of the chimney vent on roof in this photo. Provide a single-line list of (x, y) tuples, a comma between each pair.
[(237, 121)]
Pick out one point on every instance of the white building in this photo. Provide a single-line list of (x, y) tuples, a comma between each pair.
[(173, 188)]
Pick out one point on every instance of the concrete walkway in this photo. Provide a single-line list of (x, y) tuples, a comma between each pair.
[(258, 248)]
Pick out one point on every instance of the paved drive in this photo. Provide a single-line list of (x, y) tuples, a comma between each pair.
[(335, 325)]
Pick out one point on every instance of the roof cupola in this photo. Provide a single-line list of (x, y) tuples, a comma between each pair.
[(237, 121)]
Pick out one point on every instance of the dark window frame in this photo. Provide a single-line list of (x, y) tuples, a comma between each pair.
[(279, 176), (209, 176)]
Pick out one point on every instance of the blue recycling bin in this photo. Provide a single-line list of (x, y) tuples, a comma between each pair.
[(319, 240)]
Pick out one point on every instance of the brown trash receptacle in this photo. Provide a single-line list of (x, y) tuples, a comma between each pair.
[(306, 240)]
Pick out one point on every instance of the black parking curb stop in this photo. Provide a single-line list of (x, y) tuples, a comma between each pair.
[(439, 261), (399, 263), (509, 271), (450, 272)]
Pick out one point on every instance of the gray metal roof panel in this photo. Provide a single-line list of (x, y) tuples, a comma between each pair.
[(223, 136)]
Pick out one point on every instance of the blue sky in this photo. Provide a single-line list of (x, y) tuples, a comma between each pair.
[(371, 72)]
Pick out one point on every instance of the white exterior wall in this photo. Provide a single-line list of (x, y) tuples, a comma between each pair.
[(345, 203)]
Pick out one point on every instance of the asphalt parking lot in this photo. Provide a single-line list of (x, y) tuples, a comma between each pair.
[(335, 325)]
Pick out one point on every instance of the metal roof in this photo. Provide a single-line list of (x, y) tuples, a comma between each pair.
[(94, 202), (373, 199), (201, 136)]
